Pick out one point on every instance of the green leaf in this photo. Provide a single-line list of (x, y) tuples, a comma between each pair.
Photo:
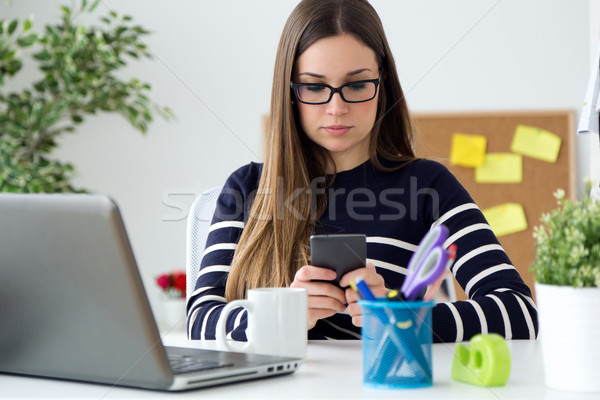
[(13, 26), (36, 112), (77, 118), (13, 66), (27, 24), (66, 11), (140, 30), (5, 53), (94, 5), (43, 55), (28, 40)]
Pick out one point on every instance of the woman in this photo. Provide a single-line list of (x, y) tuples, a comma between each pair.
[(339, 159)]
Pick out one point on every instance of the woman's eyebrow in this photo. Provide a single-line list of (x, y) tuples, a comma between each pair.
[(358, 71), (312, 74), (351, 73)]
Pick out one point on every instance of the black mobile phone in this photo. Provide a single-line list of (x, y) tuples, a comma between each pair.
[(342, 253)]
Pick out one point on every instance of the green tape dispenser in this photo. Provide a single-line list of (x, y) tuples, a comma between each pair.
[(486, 362)]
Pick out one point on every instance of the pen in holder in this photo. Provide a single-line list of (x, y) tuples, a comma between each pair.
[(396, 340)]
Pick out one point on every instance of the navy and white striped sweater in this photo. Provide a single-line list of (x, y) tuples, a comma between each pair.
[(394, 210)]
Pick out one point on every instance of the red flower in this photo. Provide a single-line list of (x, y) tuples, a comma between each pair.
[(179, 282), (164, 281), (173, 283)]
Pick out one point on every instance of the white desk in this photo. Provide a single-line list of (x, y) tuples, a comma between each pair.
[(332, 371)]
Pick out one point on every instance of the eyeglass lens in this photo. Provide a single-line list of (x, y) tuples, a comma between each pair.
[(359, 91)]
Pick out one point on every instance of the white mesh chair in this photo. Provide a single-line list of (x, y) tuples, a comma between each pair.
[(447, 289), (198, 223)]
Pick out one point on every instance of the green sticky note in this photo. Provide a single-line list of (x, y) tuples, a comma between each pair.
[(500, 168), (506, 218), (467, 150), (536, 143)]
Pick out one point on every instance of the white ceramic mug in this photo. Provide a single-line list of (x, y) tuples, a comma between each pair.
[(277, 322)]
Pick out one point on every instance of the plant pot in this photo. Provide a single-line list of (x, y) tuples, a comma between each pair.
[(569, 327), (173, 314)]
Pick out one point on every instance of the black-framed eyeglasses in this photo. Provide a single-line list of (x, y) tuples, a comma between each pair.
[(351, 92)]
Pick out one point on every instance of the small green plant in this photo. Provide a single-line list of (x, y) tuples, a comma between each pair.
[(568, 243), (78, 66)]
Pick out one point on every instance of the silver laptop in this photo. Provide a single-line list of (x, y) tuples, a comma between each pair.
[(73, 306)]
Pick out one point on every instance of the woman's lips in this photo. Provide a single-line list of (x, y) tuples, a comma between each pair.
[(336, 130)]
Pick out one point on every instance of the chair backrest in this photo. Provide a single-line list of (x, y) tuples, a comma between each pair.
[(447, 289), (198, 223)]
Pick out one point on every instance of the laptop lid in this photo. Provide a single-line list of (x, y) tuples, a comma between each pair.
[(73, 305)]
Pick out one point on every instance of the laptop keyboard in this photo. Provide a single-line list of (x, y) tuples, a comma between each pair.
[(182, 364)]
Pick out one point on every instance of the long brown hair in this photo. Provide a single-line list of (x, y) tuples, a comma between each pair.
[(274, 243)]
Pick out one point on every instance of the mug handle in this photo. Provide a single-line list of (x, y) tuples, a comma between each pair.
[(221, 333)]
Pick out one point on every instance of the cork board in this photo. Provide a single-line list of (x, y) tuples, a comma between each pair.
[(540, 178)]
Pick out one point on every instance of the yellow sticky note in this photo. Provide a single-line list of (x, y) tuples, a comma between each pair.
[(500, 168), (535, 142), (467, 150), (506, 218)]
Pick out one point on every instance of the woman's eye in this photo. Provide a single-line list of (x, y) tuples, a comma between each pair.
[(357, 86), (314, 88)]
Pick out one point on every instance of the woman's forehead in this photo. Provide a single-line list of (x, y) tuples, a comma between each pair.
[(338, 56)]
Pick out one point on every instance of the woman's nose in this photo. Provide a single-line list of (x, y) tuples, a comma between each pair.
[(337, 105)]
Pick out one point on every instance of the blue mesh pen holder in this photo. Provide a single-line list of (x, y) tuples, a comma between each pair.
[(396, 342)]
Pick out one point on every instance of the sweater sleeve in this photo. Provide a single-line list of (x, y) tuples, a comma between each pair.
[(208, 299), (498, 299)]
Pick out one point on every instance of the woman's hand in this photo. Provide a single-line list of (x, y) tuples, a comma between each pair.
[(372, 279), (324, 299)]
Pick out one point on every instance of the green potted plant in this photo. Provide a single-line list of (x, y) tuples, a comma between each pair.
[(567, 286), (79, 69)]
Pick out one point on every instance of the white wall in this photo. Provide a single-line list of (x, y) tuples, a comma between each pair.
[(213, 66)]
